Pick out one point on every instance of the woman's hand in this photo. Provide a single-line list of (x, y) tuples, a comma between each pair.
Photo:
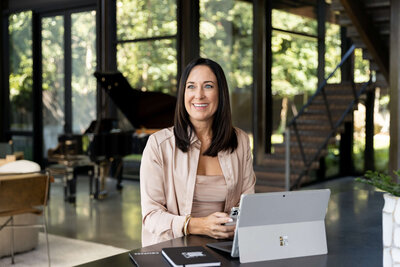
[(212, 225)]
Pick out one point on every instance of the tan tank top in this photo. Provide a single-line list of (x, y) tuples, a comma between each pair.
[(209, 195)]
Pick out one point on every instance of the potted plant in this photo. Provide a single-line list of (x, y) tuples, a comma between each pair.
[(390, 214)]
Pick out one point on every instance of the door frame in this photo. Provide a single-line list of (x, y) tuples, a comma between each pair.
[(37, 113)]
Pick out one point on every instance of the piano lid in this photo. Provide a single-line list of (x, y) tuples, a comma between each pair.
[(143, 109)]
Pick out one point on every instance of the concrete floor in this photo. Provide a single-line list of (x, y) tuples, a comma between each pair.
[(116, 220)]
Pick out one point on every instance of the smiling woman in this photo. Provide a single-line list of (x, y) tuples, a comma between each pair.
[(192, 174)]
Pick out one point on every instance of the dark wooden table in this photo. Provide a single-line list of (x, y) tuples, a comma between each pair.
[(354, 235)]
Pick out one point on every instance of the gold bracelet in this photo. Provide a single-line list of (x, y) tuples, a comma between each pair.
[(184, 223), (185, 228)]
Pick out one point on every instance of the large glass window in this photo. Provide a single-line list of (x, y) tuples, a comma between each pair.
[(294, 65), (361, 67), (226, 37), (83, 83), (20, 79), (21, 82), (146, 49), (333, 51), (53, 80)]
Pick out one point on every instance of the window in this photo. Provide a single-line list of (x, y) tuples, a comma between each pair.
[(226, 36), (333, 52), (69, 92), (21, 81), (53, 83), (21, 84), (361, 67), (294, 48), (146, 44), (83, 83)]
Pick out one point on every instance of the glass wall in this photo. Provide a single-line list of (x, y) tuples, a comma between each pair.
[(53, 80), (146, 44), (361, 67), (226, 37), (333, 51), (83, 83), (294, 65), (20, 79), (21, 82)]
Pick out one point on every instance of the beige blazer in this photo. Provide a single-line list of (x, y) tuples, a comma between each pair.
[(168, 178)]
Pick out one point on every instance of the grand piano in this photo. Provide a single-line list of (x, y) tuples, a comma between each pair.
[(108, 144)]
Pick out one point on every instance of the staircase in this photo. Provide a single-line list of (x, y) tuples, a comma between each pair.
[(308, 134), (368, 26)]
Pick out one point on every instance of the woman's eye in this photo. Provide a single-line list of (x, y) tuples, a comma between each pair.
[(190, 87), (208, 86)]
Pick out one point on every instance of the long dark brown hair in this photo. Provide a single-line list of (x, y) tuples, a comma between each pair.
[(224, 135)]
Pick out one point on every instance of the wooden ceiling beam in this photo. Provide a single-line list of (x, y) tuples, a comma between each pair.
[(369, 34)]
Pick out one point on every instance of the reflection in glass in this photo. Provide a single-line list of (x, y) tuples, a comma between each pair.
[(53, 79), (361, 202), (20, 79), (145, 18), (149, 65), (132, 214), (226, 36), (333, 214), (83, 50)]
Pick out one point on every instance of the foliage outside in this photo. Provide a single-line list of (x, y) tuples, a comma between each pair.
[(226, 37), (20, 79), (149, 64), (382, 181)]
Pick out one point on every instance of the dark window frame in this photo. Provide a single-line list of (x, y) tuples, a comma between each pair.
[(66, 10), (155, 38)]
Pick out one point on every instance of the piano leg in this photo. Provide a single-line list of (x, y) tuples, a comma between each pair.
[(96, 175), (116, 171), (65, 184), (104, 167), (119, 175), (71, 185), (91, 176)]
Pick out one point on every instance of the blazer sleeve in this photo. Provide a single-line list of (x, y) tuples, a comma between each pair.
[(249, 178), (155, 217)]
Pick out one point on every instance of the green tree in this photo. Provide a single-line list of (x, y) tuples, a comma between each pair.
[(20, 79), (148, 64)]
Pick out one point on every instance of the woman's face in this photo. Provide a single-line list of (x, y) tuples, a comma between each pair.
[(201, 94)]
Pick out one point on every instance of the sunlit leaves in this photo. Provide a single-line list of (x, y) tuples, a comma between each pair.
[(148, 64), (332, 51), (20, 63), (361, 67), (145, 18), (226, 37), (83, 83), (291, 22), (295, 57)]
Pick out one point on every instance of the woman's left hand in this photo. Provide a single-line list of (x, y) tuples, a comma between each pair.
[(212, 225)]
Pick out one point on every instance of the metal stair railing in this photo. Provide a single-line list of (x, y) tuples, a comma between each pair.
[(334, 126)]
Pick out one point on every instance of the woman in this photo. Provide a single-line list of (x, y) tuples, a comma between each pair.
[(192, 174)]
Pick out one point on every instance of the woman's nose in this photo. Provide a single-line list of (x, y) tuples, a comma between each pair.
[(199, 93)]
